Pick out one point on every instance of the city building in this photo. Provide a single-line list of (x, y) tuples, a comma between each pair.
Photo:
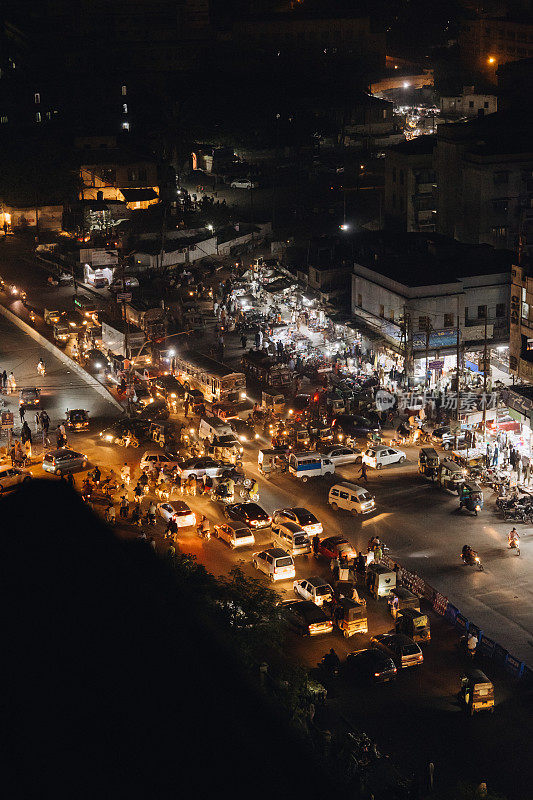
[(515, 79), (419, 292), (484, 171), (410, 202), (488, 42), (468, 104), (521, 316), (111, 171)]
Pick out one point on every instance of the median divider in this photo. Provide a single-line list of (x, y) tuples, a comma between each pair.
[(48, 345), (486, 646)]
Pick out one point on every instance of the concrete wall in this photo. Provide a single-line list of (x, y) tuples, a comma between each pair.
[(50, 217)]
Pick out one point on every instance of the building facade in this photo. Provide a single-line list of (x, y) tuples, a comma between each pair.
[(410, 202), (468, 104), (486, 43)]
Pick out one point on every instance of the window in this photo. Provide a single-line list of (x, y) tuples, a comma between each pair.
[(3, 119), (448, 321), (499, 232), (485, 104), (124, 91), (48, 115), (500, 205), (38, 116), (382, 311), (37, 98), (423, 323), (481, 312), (384, 113), (142, 179), (125, 126), (470, 104), (501, 178), (360, 300), (125, 108), (391, 314), (501, 309)]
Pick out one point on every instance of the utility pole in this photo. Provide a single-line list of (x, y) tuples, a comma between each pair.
[(458, 343), (485, 375), (428, 331)]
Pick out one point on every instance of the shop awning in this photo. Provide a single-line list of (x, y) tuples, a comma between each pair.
[(138, 195)]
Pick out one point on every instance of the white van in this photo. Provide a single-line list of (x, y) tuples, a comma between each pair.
[(275, 563), (291, 538), (212, 428), (310, 465), (351, 497)]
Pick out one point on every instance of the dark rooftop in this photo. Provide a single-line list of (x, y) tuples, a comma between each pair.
[(493, 134), (420, 145), (417, 259)]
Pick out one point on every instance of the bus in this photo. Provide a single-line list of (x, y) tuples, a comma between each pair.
[(216, 381)]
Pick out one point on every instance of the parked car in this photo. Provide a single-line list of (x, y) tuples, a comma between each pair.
[(372, 665), (243, 183), (334, 546), (64, 460), (378, 457), (344, 455), (302, 516), (275, 563), (250, 514), (13, 476), (403, 650), (179, 512), (314, 589), (235, 537), (306, 617)]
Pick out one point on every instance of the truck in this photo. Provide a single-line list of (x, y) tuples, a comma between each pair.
[(115, 333), (52, 316)]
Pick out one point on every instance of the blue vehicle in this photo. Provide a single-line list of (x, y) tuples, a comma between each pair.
[(310, 465), (470, 496)]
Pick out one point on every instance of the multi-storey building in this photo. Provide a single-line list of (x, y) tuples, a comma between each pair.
[(410, 185), (485, 43)]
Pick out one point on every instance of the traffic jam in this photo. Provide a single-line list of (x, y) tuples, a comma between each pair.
[(209, 455)]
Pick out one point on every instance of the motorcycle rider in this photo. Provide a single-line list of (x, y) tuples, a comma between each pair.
[(513, 538), (110, 515), (331, 661), (471, 644), (151, 513), (40, 367), (467, 554)]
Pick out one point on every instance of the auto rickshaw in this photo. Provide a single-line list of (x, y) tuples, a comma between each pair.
[(414, 624), (77, 418), (350, 617), (471, 497), (428, 462), (162, 434), (273, 402), (476, 692), (401, 599), (380, 580), (450, 475), (299, 438), (271, 462)]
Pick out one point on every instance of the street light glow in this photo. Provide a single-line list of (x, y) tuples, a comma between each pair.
[(491, 59), (405, 84)]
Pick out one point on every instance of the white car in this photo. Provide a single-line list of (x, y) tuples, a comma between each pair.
[(155, 458), (203, 466), (314, 589), (179, 512), (235, 537), (12, 476), (275, 563), (304, 518), (350, 497), (345, 455), (378, 457), (243, 183)]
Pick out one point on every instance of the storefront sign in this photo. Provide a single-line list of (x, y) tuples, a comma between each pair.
[(7, 419), (436, 364), (437, 339)]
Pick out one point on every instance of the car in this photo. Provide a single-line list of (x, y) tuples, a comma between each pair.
[(314, 589), (77, 418), (13, 476), (401, 648), (179, 512), (336, 546), (344, 455), (450, 442), (302, 516), (64, 460), (168, 387), (156, 458), (235, 537), (158, 409), (250, 514), (298, 404), (30, 398), (350, 497), (306, 617), (244, 430), (196, 467), (290, 537), (439, 432), (275, 563), (354, 425), (142, 395), (96, 360), (378, 457), (243, 183), (130, 282), (119, 428), (372, 665)]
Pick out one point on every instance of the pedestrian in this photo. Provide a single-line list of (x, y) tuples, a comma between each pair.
[(4, 380), (137, 493), (25, 433), (488, 457), (378, 553), (363, 474), (257, 341), (171, 531), (527, 470), (59, 437), (125, 474), (37, 422), (11, 382), (124, 507), (495, 456), (27, 448), (186, 407), (316, 542), (97, 475), (70, 480), (244, 341), (22, 412)]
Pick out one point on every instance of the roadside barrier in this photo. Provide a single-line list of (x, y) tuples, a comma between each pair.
[(486, 646)]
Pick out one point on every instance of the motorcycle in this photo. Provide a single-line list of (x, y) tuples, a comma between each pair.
[(330, 666), (471, 559), (514, 544), (221, 495), (41, 368), (248, 496), (126, 441)]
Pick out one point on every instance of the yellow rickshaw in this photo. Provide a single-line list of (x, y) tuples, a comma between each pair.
[(476, 692), (272, 461), (350, 617), (414, 624), (273, 402)]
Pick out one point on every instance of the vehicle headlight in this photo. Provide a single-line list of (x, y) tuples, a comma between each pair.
[(191, 430), (173, 395), (98, 366), (243, 438), (257, 436), (243, 395), (109, 438)]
